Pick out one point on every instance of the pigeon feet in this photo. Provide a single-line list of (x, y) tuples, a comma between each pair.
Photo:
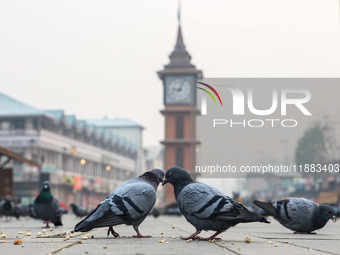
[(210, 239), (305, 233), (214, 236), (114, 233), (47, 224), (193, 236), (139, 235)]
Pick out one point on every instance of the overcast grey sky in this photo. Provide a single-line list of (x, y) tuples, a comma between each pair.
[(99, 58)]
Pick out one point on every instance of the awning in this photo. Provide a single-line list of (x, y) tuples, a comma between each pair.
[(12, 155)]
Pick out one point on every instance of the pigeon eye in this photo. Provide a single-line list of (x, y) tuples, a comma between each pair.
[(170, 174)]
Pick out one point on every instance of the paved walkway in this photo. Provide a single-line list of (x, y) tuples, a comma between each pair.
[(165, 230)]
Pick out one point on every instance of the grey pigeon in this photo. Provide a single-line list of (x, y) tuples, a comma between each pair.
[(46, 207), (7, 208), (23, 210), (63, 210), (128, 204), (299, 214), (78, 211), (32, 212), (206, 207)]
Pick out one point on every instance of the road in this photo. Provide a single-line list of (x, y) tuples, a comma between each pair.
[(166, 231)]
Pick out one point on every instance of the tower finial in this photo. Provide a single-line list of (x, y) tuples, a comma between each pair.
[(179, 41), (179, 12)]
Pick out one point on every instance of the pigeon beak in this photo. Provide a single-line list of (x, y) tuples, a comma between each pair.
[(164, 182), (334, 219)]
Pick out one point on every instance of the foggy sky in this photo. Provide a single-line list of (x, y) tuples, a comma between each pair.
[(99, 58)]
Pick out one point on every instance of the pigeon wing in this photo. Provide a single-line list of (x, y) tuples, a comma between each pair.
[(129, 202), (204, 201), (135, 199), (293, 213), (296, 213)]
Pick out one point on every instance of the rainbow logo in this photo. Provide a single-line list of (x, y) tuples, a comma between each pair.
[(213, 90), (204, 99)]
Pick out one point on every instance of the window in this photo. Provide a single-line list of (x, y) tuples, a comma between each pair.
[(179, 127), (19, 124), (35, 157), (4, 125), (179, 157), (35, 124)]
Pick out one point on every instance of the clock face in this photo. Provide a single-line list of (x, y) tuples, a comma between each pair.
[(178, 90)]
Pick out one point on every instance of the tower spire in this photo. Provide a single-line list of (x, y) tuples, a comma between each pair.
[(179, 41), (180, 59)]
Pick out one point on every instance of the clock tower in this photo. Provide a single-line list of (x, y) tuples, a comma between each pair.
[(179, 82)]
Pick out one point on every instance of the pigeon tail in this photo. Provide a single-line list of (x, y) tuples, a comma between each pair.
[(254, 217), (245, 216), (58, 222), (267, 206), (78, 211), (264, 220), (98, 218)]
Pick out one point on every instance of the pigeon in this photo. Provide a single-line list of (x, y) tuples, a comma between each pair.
[(78, 211), (128, 204), (206, 207), (46, 207), (23, 209), (31, 212), (7, 208), (299, 214), (63, 207)]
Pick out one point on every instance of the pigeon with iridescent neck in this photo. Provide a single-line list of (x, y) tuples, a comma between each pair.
[(46, 207), (128, 204)]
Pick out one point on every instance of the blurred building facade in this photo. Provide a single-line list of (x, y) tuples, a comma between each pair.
[(154, 157), (6, 173), (129, 131), (82, 161)]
